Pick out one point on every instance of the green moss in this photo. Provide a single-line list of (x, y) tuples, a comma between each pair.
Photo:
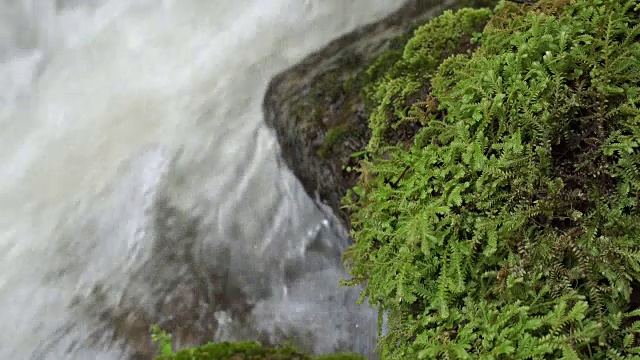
[(235, 351), (408, 76), (509, 228), (332, 137), (340, 357), (248, 351)]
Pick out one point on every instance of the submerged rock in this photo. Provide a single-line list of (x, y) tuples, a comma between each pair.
[(317, 109)]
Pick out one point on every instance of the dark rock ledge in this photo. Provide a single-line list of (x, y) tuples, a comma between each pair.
[(317, 109)]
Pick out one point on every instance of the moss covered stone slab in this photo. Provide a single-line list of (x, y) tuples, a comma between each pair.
[(248, 351), (317, 107), (508, 225)]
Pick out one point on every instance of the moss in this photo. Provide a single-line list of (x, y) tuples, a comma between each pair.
[(234, 351), (338, 98), (340, 357), (507, 225), (332, 137), (248, 351), (408, 77)]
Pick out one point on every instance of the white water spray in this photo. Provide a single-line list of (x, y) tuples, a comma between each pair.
[(135, 169)]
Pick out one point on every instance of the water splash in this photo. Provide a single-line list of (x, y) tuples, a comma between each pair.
[(138, 184)]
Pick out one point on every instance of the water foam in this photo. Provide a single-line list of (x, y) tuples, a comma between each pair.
[(134, 165)]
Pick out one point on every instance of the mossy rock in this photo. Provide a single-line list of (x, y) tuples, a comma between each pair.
[(507, 224), (318, 109), (248, 351)]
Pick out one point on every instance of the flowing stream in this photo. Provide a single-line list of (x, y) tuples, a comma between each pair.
[(139, 185)]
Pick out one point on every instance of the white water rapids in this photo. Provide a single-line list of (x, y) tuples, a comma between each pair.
[(135, 170)]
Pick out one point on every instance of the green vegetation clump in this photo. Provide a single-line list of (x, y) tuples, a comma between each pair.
[(235, 351), (409, 76), (247, 350), (509, 227)]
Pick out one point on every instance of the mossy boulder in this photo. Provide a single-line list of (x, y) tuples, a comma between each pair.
[(248, 351), (504, 222), (318, 110)]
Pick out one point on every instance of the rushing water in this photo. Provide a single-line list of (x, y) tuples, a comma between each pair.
[(139, 185)]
